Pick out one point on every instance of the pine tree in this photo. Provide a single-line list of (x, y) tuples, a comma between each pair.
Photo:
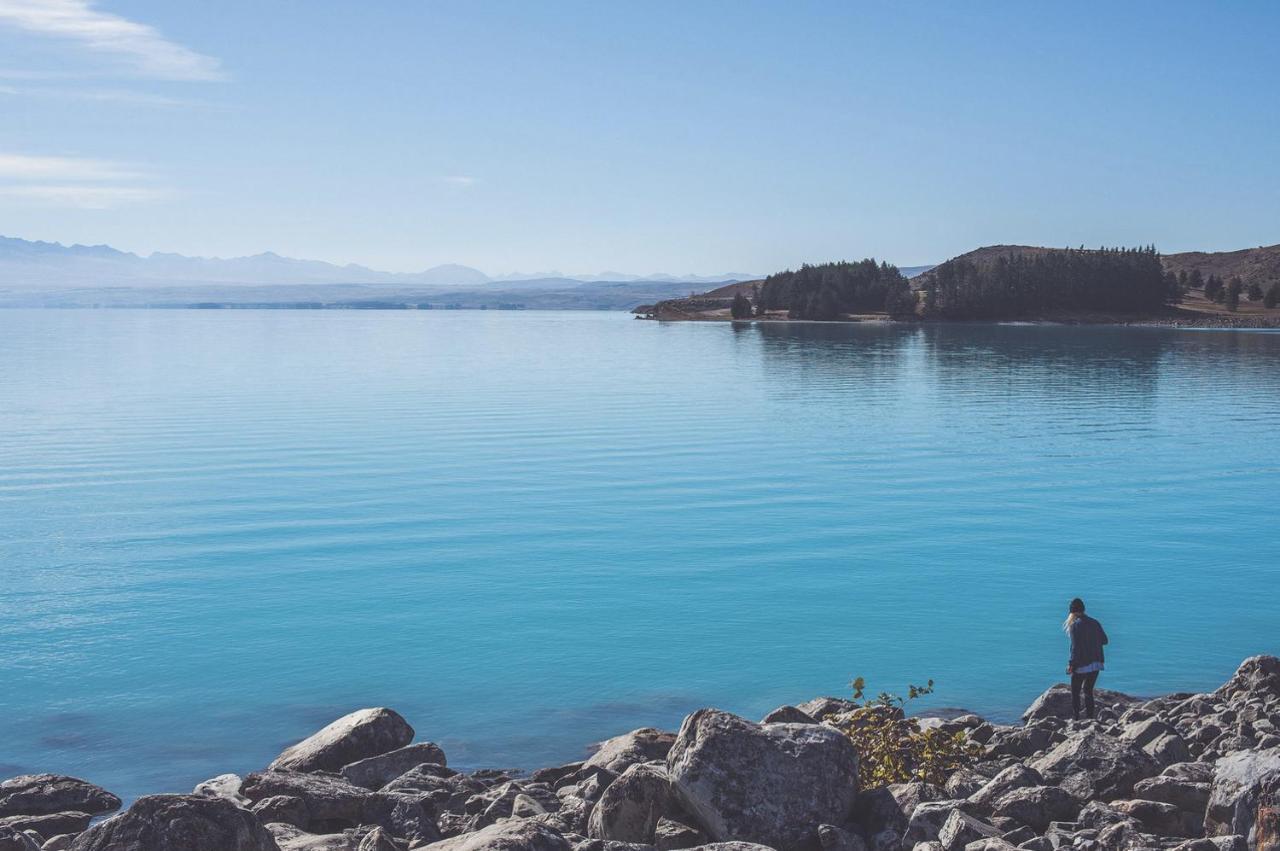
[(1232, 296), (1255, 291), (741, 307), (1272, 298)]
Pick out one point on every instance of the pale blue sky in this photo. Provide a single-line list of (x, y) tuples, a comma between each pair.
[(638, 136)]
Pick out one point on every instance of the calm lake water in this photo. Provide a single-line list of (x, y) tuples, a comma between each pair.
[(528, 531)]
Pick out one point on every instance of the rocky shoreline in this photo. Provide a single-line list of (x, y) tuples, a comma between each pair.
[(1192, 772)]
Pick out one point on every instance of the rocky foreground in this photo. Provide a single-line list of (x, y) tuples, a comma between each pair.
[(1193, 772)]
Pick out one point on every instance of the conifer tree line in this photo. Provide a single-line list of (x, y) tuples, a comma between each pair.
[(828, 290), (1228, 294), (1119, 280)]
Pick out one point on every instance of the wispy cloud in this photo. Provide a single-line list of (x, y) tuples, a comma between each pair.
[(85, 197), (144, 47), (458, 180), (88, 184), (126, 97)]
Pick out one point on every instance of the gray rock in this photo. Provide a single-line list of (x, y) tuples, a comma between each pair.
[(282, 809), (672, 835), (788, 715), (526, 807), (330, 800), (961, 828), (169, 822), (1037, 806), (39, 794), (927, 820), (378, 839), (49, 824), (822, 708), (1237, 782), (1216, 843), (1157, 817), (353, 737), (733, 846), (888, 808), (964, 782), (1196, 772), (771, 784), (16, 840), (1056, 702), (1096, 815), (1015, 776), (1094, 766), (516, 835), (1256, 676), (1018, 741), (994, 844), (1184, 794), (377, 771), (223, 786), (61, 842), (629, 809), (620, 752), (290, 838), (835, 838)]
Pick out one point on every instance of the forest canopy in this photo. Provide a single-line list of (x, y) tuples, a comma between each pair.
[(1111, 280), (831, 289)]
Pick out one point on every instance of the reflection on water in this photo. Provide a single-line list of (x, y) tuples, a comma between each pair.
[(220, 529)]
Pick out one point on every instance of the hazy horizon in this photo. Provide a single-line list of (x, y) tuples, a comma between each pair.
[(693, 140)]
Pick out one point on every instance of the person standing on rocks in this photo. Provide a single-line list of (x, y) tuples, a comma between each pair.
[(1087, 638)]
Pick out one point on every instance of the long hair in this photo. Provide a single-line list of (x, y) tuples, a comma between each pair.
[(1075, 612)]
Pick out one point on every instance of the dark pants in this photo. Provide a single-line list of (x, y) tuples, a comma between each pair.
[(1086, 682)]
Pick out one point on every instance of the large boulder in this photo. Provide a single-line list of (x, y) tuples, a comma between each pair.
[(359, 735), (1094, 766), (1055, 702), (771, 784), (49, 824), (1037, 806), (1158, 817), (332, 802), (223, 786), (1257, 676), (1187, 795), (291, 838), (621, 752), (1238, 783), (631, 806), (377, 771), (16, 840), (38, 794), (515, 835), (961, 828), (170, 822), (927, 820)]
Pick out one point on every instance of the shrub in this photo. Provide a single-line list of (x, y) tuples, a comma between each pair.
[(741, 307), (1272, 298), (892, 748)]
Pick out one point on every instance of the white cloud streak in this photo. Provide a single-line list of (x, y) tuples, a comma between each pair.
[(87, 184), (459, 180), (144, 47)]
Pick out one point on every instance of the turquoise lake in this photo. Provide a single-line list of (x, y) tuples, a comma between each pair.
[(219, 530)]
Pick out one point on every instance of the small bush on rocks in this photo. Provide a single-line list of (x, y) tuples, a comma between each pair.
[(893, 748)]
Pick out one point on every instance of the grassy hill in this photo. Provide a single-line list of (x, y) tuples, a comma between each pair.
[(1253, 265)]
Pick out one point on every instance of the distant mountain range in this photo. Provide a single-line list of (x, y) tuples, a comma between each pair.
[(41, 266)]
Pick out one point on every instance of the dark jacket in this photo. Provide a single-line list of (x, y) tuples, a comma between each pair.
[(1087, 639)]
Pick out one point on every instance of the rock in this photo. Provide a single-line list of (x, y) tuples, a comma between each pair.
[(1237, 782), (405, 815), (290, 838), (1094, 766), (771, 784), (49, 824), (1257, 675), (282, 809), (643, 745), (555, 774), (40, 794), (1096, 815), (961, 828), (889, 808), (629, 809), (822, 708), (1018, 741), (672, 835), (1216, 843), (732, 846), (16, 840), (526, 807), (1157, 817), (834, 838), (1122, 836), (927, 820), (377, 771), (1184, 794), (964, 782), (61, 842), (996, 844), (169, 822), (1037, 806), (378, 840), (1019, 835), (1195, 772), (359, 735), (1056, 703), (332, 803), (223, 786), (1014, 777), (517, 835), (788, 715)]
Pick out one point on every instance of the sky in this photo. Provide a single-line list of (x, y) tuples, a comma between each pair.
[(681, 137)]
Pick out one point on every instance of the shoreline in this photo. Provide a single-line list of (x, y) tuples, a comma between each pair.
[(1179, 771), (1243, 323)]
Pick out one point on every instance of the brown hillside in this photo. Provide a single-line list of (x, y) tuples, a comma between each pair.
[(1253, 265)]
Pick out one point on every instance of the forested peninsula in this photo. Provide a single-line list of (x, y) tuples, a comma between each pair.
[(1005, 283)]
